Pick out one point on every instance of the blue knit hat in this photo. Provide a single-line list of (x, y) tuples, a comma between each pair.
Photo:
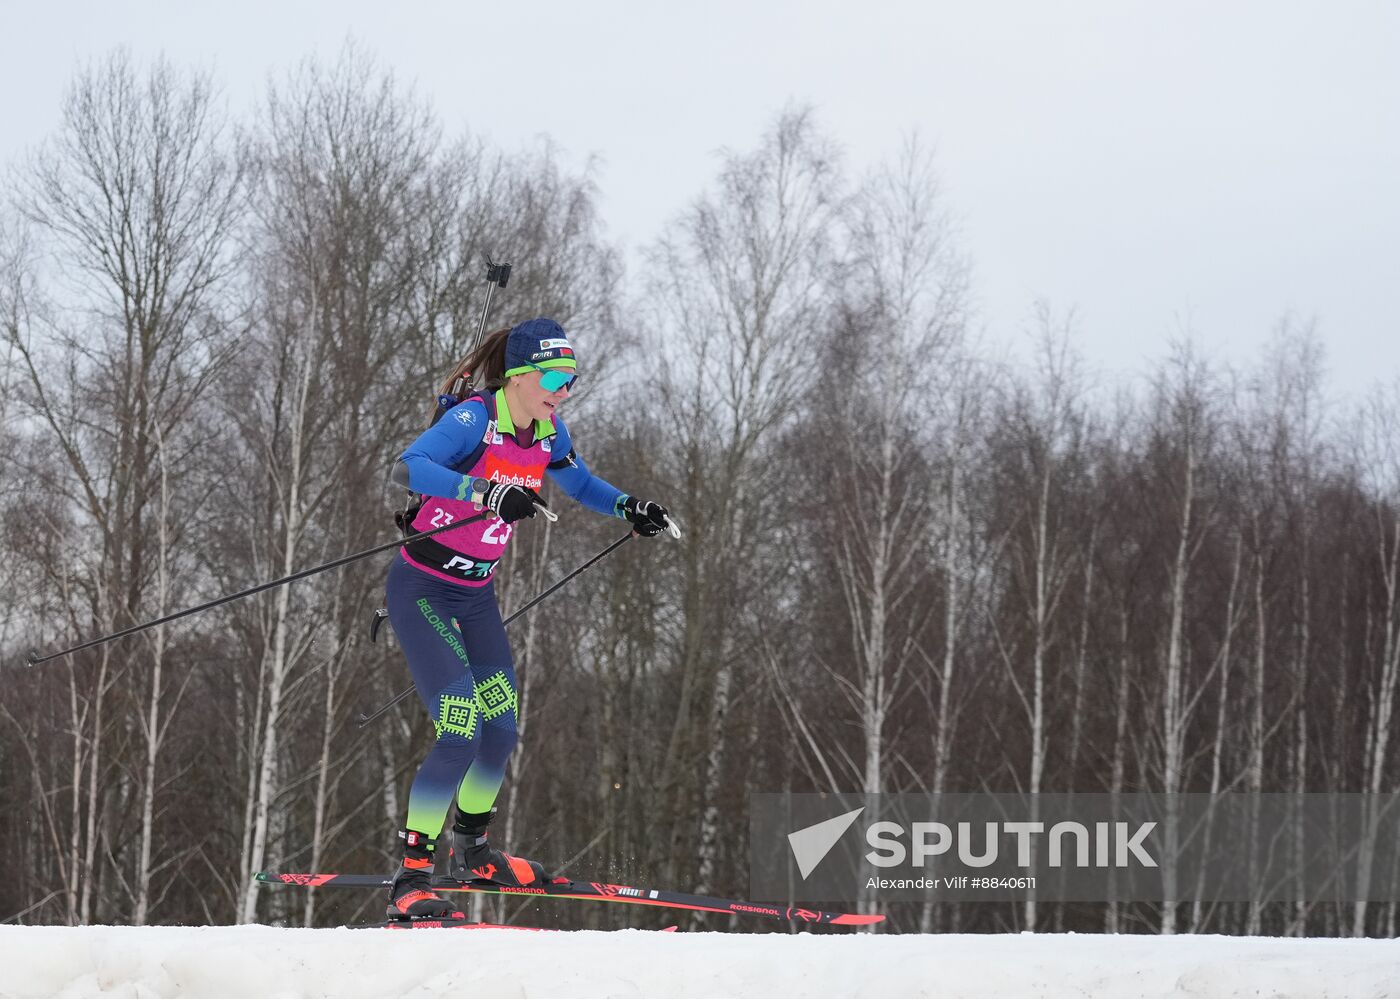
[(538, 343)]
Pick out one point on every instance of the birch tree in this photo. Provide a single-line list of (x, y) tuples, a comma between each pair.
[(1280, 453), (1184, 430), (1378, 462), (139, 193), (342, 161), (1042, 453), (871, 435), (739, 285), (913, 309)]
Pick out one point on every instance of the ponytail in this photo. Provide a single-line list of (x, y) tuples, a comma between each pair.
[(484, 368), (487, 364)]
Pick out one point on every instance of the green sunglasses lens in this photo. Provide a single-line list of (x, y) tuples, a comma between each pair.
[(553, 381)]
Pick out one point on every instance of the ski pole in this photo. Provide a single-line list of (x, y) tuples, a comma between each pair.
[(34, 659), (363, 719)]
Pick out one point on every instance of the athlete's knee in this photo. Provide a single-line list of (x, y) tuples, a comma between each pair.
[(497, 741), (450, 757), (457, 714), (498, 701)]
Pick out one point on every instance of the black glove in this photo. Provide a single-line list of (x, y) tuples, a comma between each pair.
[(510, 502), (647, 518)]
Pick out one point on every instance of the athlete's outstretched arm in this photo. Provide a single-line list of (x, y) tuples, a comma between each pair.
[(571, 475)]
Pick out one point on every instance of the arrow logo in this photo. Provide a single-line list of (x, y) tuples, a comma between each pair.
[(812, 844)]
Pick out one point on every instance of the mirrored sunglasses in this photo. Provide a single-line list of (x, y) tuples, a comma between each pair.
[(554, 379)]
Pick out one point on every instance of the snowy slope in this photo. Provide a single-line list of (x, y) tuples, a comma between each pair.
[(270, 963)]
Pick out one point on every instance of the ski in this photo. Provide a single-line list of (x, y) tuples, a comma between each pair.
[(442, 923), (594, 890), (450, 923)]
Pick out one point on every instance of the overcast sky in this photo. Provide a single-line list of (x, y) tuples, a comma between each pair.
[(1202, 165)]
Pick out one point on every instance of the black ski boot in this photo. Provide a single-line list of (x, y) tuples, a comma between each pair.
[(470, 857), (411, 895)]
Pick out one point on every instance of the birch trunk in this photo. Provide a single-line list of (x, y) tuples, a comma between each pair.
[(1040, 616), (714, 761), (323, 782), (1380, 710), (943, 719), (1300, 741), (1217, 754), (154, 725), (1173, 708), (279, 656), (1117, 772), (93, 825), (73, 866), (1258, 736)]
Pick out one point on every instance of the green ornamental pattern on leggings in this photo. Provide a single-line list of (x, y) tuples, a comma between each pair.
[(457, 715), (496, 696)]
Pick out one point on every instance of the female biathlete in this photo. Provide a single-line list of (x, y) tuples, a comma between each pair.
[(487, 453)]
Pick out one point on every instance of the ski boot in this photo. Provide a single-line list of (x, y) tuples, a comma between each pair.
[(470, 857), (411, 895)]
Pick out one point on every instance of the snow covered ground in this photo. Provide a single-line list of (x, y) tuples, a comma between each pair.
[(270, 963)]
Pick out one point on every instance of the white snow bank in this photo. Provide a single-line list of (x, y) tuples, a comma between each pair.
[(271, 963)]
